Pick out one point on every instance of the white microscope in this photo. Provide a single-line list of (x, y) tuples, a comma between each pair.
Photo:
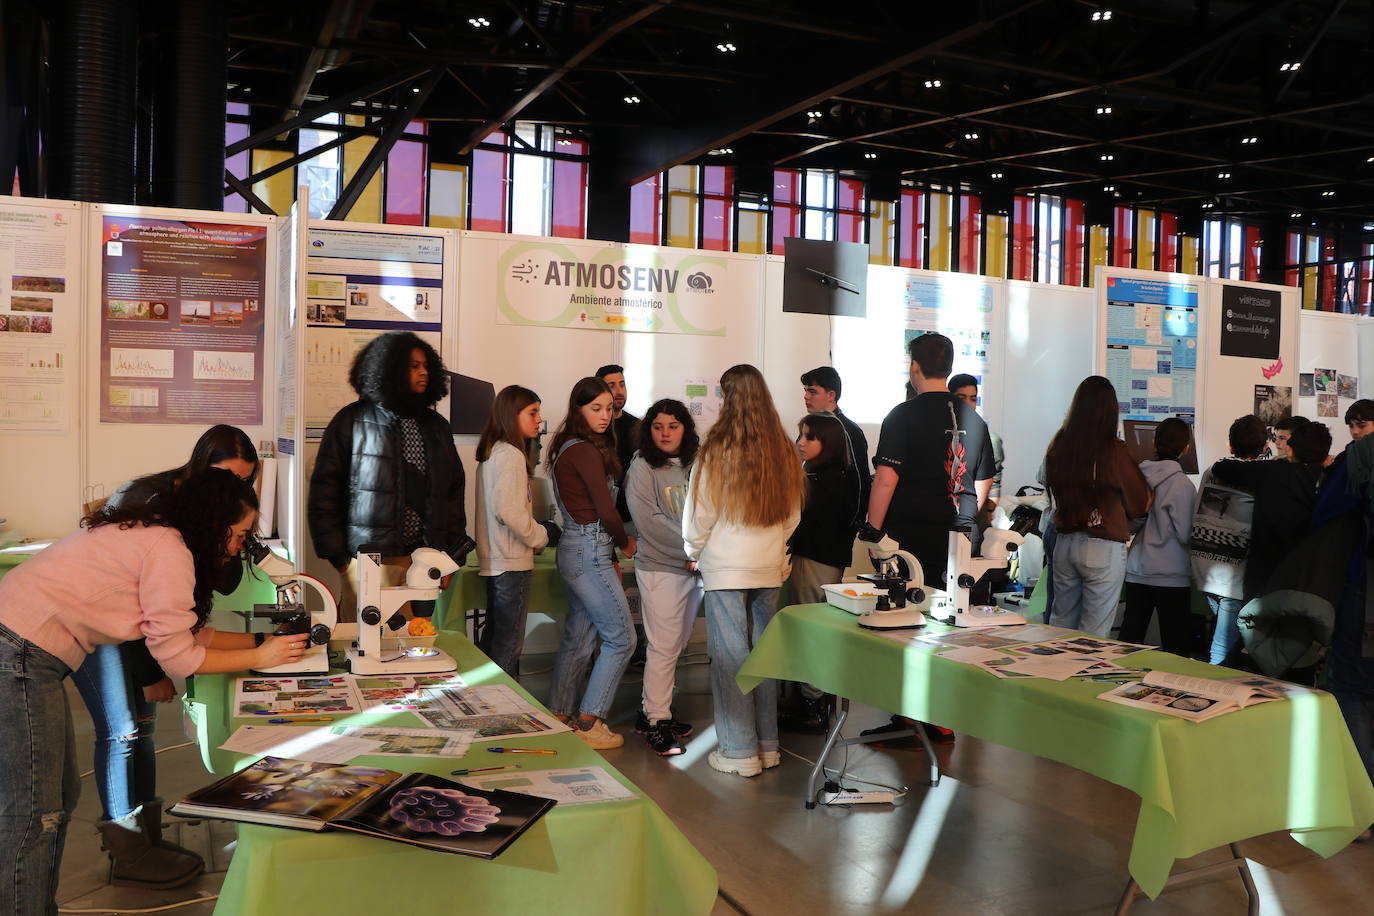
[(377, 650), (290, 614), (901, 607), (962, 572)]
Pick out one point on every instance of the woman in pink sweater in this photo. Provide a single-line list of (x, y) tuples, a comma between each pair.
[(135, 571)]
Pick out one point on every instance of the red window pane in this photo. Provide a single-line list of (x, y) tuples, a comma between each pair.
[(1328, 284), (850, 217), (1168, 241), (717, 196), (644, 221), (911, 228), (1250, 257), (786, 209), (1022, 238), (1123, 232), (489, 179), (1075, 241), (406, 171), (970, 233), (570, 191)]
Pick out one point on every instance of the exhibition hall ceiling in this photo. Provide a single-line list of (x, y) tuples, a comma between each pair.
[(1242, 107)]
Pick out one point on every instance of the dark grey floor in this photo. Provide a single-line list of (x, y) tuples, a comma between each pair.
[(1005, 833)]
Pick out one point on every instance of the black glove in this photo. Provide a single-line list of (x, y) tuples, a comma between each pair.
[(553, 531), (869, 534), (465, 546)]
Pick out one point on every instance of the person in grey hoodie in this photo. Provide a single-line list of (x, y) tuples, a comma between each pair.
[(1158, 565), (670, 592)]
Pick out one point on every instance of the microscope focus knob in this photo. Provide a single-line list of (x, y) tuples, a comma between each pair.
[(319, 634), (370, 615), (916, 595), (967, 581)]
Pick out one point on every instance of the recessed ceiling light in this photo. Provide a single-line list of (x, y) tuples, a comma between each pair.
[(1249, 139), (726, 47), (1109, 187), (1295, 215), (814, 114), (870, 155), (1223, 174), (721, 151), (1106, 157), (1328, 193), (1104, 110), (1207, 205), (1102, 15), (1290, 66), (971, 135), (933, 84), (631, 100), (479, 22)]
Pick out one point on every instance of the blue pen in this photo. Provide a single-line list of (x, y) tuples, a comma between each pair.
[(294, 721)]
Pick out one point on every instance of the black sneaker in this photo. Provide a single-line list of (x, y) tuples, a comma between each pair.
[(662, 739), (679, 729)]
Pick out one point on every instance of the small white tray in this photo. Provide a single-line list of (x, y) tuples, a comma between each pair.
[(865, 599)]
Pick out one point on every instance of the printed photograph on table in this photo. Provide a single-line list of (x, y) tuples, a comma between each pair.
[(411, 742), (512, 725), (577, 786)]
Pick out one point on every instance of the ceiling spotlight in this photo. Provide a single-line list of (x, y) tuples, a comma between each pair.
[(971, 135), (414, 88), (631, 100), (1290, 66), (933, 84), (1207, 205), (1370, 159), (1106, 157), (1104, 110), (1368, 227), (870, 155), (997, 175), (1328, 193), (726, 47), (1223, 174), (1102, 15), (1249, 139), (1109, 187), (722, 151), (1295, 215), (813, 115), (479, 22), (564, 141)]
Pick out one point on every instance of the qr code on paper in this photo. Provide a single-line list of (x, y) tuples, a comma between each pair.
[(590, 790), (695, 408)]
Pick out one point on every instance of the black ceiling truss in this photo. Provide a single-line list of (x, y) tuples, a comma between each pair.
[(806, 84)]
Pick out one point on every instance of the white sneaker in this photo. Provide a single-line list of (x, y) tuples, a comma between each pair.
[(599, 737), (770, 759), (739, 766)]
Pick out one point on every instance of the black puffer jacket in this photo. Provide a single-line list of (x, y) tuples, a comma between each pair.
[(357, 488)]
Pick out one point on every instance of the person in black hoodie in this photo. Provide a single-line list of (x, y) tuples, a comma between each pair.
[(821, 546), (388, 478)]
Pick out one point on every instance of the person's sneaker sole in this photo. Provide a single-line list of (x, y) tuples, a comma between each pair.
[(736, 766)]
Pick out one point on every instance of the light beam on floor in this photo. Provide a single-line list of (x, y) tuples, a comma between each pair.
[(696, 748), (911, 867)]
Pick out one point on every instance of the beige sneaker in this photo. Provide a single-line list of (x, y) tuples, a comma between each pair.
[(770, 759), (599, 737), (739, 766)]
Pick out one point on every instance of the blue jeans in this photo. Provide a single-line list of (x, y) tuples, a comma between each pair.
[(125, 756), (597, 613), (1050, 537), (1345, 671), (1088, 574), (38, 781), (1226, 637), (745, 725), (503, 635)]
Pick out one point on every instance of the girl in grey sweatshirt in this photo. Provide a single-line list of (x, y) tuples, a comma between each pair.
[(670, 592)]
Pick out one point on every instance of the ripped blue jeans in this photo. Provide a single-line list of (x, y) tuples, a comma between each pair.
[(125, 756), (38, 780)]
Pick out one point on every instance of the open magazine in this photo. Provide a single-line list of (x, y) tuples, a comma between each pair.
[(1196, 699), (414, 808)]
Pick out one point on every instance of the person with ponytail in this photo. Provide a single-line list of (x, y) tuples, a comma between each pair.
[(508, 537), (137, 570), (1100, 498), (744, 500), (583, 464)]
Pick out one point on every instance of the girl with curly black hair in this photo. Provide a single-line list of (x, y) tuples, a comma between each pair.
[(130, 571), (387, 478)]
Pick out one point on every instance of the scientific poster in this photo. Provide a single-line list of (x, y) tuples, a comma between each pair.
[(360, 285), (181, 321), (40, 267), (630, 288), (1152, 339)]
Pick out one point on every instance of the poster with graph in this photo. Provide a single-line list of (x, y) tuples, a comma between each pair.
[(181, 321)]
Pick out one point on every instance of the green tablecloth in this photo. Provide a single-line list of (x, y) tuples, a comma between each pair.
[(1279, 766), (613, 858), (548, 593)]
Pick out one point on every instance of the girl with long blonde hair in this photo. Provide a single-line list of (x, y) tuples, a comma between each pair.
[(743, 501)]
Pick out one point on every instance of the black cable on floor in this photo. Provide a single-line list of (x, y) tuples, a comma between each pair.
[(723, 894)]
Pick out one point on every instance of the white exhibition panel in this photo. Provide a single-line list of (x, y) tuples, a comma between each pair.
[(42, 493), (792, 343), (1330, 341), (1050, 335), (117, 452), (1230, 381)]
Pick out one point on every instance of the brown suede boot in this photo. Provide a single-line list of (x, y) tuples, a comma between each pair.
[(136, 862), (150, 817)]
